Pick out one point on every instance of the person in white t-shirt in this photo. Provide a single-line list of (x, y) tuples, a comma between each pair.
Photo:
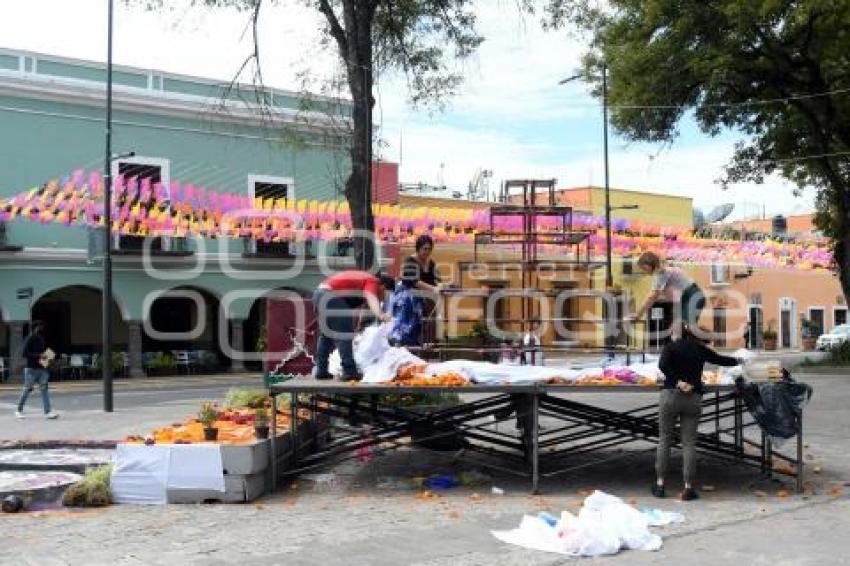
[(673, 284)]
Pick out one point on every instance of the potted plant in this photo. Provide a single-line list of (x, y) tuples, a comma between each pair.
[(769, 336), (207, 417), (809, 332), (261, 423), (479, 334)]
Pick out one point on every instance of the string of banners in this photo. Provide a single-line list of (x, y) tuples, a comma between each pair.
[(143, 208)]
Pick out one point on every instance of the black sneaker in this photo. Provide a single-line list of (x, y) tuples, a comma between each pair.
[(324, 376), (689, 494), (355, 377), (658, 490)]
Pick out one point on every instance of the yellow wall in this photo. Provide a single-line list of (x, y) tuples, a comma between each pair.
[(654, 208)]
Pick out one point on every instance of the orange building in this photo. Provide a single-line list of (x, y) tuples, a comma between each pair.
[(743, 302)]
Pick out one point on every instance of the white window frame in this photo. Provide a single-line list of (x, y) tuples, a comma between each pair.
[(713, 271), (835, 309), (253, 179), (164, 165)]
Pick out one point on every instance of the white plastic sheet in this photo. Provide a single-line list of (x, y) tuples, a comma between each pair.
[(144, 474), (605, 525), (379, 362), (195, 466), (140, 474)]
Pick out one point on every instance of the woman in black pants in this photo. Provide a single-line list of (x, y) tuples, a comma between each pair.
[(682, 362)]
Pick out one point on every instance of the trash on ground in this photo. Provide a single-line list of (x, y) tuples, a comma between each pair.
[(659, 518), (444, 481), (497, 491), (604, 525)]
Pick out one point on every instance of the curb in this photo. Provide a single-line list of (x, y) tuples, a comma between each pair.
[(139, 383), (830, 371), (50, 444)]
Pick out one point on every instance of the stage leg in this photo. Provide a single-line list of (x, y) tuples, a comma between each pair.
[(535, 443), (293, 427), (800, 464), (273, 445)]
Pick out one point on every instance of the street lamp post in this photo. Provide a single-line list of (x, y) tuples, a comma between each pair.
[(609, 275), (106, 330)]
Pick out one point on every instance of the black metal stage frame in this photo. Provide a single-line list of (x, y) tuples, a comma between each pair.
[(531, 452)]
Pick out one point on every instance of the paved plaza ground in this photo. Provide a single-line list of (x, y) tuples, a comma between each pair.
[(370, 513)]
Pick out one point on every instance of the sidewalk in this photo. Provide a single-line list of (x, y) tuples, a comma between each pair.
[(141, 405), (14, 383)]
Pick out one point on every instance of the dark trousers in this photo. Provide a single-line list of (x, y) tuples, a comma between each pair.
[(336, 327), (685, 408)]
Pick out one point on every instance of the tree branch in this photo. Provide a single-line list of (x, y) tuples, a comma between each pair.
[(336, 30)]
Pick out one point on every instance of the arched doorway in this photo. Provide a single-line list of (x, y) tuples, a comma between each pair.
[(183, 319), (72, 317)]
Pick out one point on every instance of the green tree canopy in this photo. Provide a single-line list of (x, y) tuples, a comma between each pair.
[(420, 38), (777, 71)]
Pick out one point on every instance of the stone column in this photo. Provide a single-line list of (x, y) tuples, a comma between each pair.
[(237, 342), (16, 347), (134, 348)]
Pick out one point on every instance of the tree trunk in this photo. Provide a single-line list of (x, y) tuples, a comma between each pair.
[(358, 190), (841, 253)]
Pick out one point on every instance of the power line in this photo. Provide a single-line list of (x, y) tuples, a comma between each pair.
[(759, 102)]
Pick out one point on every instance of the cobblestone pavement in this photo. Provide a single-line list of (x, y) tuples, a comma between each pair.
[(371, 516)]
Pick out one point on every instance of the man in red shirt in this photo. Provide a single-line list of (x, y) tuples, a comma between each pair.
[(338, 300)]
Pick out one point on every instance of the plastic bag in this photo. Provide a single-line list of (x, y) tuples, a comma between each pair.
[(604, 525), (776, 406)]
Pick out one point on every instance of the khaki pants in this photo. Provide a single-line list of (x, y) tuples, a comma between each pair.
[(686, 407)]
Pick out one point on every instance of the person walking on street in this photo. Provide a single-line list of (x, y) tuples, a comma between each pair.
[(36, 353), (682, 363), (337, 302)]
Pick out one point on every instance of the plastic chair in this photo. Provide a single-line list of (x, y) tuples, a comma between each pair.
[(77, 365), (183, 360), (125, 364)]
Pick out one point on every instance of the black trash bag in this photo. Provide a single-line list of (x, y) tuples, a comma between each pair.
[(440, 436), (776, 406)]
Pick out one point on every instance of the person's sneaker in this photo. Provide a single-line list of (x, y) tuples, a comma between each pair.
[(355, 377), (658, 490), (324, 376), (20, 415), (689, 494), (51, 415)]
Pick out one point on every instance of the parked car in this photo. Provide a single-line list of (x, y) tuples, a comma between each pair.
[(838, 336)]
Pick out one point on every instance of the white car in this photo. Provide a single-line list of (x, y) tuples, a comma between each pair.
[(838, 336)]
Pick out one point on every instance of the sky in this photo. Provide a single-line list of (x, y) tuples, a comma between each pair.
[(511, 116)]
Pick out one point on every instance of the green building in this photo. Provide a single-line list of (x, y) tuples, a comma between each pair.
[(179, 128)]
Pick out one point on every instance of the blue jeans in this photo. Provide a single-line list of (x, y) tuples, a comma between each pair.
[(334, 328), (31, 377)]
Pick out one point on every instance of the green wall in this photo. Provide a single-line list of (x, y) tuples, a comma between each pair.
[(42, 140)]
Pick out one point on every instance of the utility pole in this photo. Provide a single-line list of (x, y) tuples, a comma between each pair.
[(609, 276), (106, 330)]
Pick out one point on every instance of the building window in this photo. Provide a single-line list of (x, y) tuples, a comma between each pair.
[(720, 274), (720, 327), (140, 169), (282, 191), (755, 299), (839, 316), (816, 316)]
